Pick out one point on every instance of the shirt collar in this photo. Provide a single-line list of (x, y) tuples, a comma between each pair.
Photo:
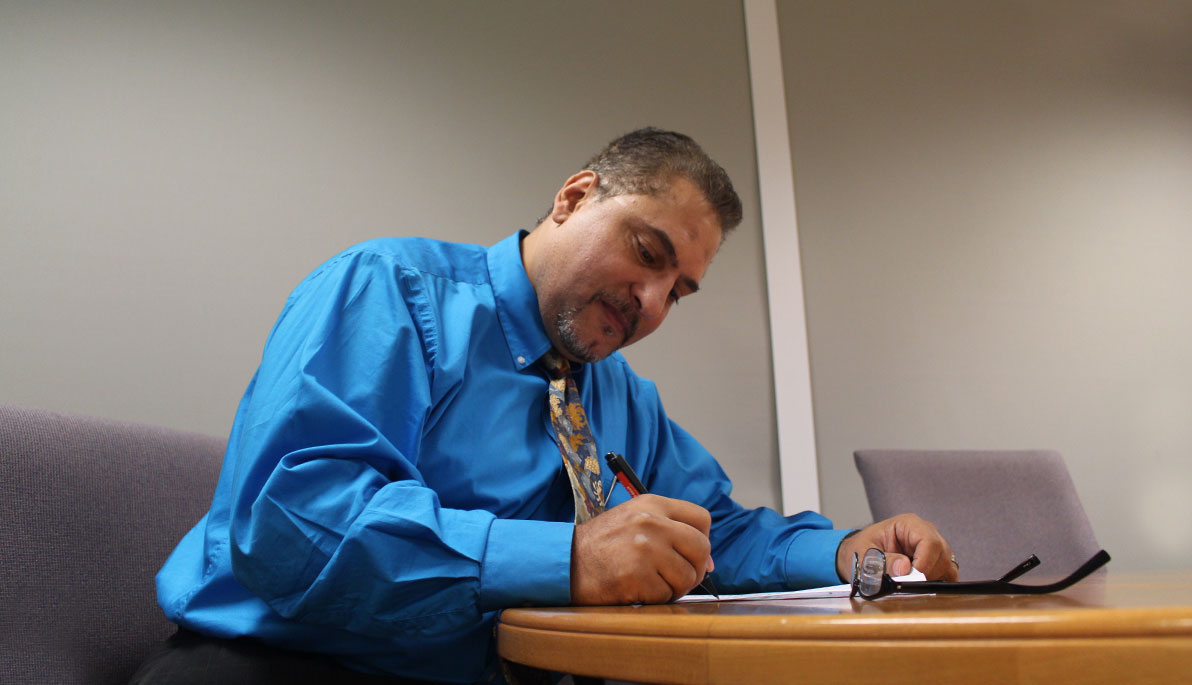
[(517, 303)]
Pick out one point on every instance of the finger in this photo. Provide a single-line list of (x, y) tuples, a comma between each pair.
[(679, 574), (661, 591), (897, 564), (683, 511), (952, 567), (939, 562), (929, 551), (689, 558), (952, 572), (927, 560), (693, 546), (677, 551), (679, 577), (660, 573), (933, 558)]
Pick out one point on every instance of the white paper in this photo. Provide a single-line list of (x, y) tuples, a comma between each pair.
[(813, 593)]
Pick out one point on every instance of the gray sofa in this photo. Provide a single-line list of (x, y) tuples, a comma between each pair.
[(89, 510)]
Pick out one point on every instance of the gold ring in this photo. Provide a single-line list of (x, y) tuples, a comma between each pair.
[(955, 562)]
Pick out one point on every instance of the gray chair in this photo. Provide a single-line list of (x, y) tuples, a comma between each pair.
[(89, 510), (996, 508)]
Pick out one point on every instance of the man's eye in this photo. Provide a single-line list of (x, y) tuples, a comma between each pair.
[(674, 297), (646, 255)]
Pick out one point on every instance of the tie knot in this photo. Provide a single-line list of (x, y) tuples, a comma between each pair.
[(556, 364)]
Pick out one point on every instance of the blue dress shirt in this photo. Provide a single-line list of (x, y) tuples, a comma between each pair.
[(390, 481)]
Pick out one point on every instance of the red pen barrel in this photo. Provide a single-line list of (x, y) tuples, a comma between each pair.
[(627, 485)]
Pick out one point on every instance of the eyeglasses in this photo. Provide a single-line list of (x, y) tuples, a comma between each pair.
[(871, 581)]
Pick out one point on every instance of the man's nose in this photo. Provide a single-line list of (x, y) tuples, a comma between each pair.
[(651, 298)]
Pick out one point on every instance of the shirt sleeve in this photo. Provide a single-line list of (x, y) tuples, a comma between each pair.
[(756, 550), (331, 521)]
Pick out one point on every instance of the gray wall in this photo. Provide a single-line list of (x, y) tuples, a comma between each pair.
[(169, 171), (995, 213), (992, 203)]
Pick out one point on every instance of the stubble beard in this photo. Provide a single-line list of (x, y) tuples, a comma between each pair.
[(569, 335)]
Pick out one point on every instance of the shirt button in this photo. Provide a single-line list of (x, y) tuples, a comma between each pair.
[(521, 359)]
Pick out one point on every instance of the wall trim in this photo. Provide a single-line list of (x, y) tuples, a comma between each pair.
[(784, 275)]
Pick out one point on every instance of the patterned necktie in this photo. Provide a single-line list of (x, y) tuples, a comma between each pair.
[(574, 437)]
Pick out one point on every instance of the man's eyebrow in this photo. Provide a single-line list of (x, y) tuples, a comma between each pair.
[(669, 247)]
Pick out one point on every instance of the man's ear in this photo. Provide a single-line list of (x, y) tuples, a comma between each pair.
[(579, 189)]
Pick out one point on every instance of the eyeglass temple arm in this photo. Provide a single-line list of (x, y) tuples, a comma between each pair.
[(1097, 561), (1020, 569), (968, 587)]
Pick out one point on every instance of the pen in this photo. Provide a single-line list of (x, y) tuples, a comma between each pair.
[(624, 474)]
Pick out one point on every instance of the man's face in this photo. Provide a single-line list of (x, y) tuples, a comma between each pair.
[(608, 270)]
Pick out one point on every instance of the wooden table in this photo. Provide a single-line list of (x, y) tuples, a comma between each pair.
[(1109, 628)]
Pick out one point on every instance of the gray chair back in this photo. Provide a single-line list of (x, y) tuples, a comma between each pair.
[(996, 508), (89, 510)]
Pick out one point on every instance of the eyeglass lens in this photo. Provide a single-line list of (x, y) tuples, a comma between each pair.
[(873, 568)]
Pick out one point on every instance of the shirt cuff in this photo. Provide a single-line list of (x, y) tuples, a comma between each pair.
[(811, 558), (526, 562)]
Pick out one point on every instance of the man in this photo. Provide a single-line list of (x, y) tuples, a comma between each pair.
[(396, 475)]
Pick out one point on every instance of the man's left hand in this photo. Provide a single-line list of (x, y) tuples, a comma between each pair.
[(907, 541)]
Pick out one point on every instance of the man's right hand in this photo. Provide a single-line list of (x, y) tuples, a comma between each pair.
[(648, 550)]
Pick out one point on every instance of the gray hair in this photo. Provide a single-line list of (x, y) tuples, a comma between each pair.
[(645, 162)]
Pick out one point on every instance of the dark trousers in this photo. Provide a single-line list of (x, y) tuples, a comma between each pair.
[(188, 658)]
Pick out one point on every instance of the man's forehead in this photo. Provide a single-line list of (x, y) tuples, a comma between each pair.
[(685, 215)]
